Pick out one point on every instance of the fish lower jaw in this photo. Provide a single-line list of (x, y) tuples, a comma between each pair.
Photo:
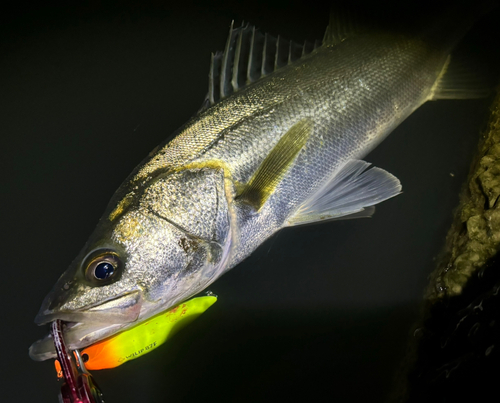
[(86, 328), (77, 335)]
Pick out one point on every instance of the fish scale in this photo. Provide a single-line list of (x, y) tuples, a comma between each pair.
[(283, 150), (346, 125)]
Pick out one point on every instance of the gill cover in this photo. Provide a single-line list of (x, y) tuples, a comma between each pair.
[(168, 243), (177, 234)]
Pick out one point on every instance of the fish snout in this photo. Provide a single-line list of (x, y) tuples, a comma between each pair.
[(88, 325), (119, 310)]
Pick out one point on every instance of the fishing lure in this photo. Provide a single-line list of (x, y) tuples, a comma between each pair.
[(144, 337), (79, 386)]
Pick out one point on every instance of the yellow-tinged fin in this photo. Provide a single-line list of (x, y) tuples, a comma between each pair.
[(462, 78), (144, 337), (276, 164)]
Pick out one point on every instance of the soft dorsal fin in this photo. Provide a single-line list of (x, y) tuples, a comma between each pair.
[(249, 55), (341, 26)]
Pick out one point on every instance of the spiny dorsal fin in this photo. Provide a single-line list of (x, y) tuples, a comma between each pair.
[(342, 25), (249, 55), (274, 167)]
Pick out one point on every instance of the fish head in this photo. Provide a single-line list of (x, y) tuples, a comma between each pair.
[(153, 251)]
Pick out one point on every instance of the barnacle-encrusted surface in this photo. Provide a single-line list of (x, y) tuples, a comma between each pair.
[(474, 236), (452, 352)]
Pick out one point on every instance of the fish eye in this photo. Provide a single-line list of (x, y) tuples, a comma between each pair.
[(102, 267), (104, 270)]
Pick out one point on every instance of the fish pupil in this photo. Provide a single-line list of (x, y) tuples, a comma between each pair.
[(104, 270)]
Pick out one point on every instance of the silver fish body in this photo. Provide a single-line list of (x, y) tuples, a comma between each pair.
[(182, 217), (354, 95)]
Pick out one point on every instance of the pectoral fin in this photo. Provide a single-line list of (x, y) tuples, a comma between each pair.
[(351, 192), (276, 164)]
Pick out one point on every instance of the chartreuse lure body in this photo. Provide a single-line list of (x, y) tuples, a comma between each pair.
[(145, 337)]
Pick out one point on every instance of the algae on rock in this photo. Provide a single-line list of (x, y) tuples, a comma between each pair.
[(451, 354), (474, 236)]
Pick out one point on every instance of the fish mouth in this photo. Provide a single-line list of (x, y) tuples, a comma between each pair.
[(77, 335), (88, 325), (122, 309)]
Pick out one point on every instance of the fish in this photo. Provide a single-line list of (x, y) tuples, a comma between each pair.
[(278, 142)]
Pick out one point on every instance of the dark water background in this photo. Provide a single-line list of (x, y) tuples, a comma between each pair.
[(320, 313)]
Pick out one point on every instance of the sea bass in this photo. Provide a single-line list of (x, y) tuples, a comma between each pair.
[(278, 142)]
